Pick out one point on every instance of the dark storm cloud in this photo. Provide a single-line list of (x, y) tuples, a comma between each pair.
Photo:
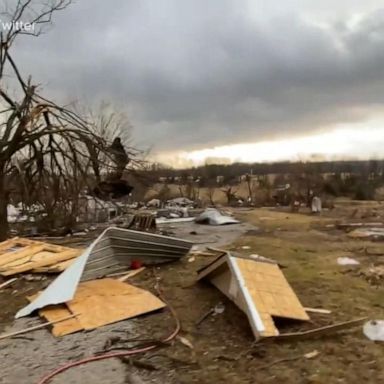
[(197, 73)]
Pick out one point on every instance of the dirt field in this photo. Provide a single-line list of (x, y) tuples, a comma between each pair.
[(307, 245)]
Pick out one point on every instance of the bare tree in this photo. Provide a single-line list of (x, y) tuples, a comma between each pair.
[(230, 194), (47, 146)]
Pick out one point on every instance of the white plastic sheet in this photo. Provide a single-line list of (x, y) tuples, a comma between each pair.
[(212, 216), (374, 330), (347, 261)]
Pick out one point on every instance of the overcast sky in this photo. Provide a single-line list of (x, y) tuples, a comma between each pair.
[(197, 74)]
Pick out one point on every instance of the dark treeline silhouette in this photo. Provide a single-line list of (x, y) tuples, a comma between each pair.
[(237, 169), (355, 179)]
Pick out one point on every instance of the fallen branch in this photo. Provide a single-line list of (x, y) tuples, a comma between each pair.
[(309, 355), (286, 359)]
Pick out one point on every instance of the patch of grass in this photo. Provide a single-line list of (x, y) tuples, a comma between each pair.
[(313, 272)]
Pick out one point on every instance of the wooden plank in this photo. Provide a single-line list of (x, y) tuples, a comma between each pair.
[(5, 245), (25, 252), (55, 268), (318, 310), (44, 261), (107, 301), (8, 282), (328, 329), (34, 328), (131, 274), (19, 251), (15, 242), (31, 257), (117, 274)]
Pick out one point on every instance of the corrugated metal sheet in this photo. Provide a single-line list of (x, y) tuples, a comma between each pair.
[(118, 247)]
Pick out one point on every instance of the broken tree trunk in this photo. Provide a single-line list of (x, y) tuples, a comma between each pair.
[(3, 209)]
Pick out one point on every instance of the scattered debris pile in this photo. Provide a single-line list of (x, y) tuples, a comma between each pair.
[(143, 221), (373, 274), (90, 292), (94, 210), (181, 202), (113, 251)]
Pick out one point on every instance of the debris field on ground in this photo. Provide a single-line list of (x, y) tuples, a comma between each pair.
[(226, 291)]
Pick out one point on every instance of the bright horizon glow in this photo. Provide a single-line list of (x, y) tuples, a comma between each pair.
[(342, 143)]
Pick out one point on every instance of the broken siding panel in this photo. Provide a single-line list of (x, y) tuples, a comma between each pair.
[(61, 290), (253, 314), (258, 288), (270, 290)]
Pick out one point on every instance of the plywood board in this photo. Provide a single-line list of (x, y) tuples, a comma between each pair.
[(100, 302), (106, 301), (57, 312)]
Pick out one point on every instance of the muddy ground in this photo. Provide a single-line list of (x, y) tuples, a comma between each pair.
[(308, 246)]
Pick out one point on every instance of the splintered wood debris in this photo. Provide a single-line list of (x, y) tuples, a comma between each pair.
[(256, 287), (98, 303), (19, 255)]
